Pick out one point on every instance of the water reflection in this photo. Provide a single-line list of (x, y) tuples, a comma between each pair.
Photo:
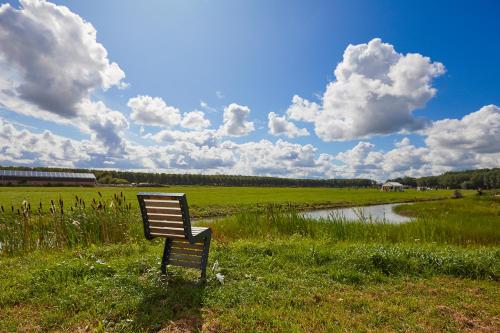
[(377, 213)]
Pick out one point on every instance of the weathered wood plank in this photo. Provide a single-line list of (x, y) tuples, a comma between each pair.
[(160, 234), (164, 210), (185, 264), (161, 197), (149, 203), (164, 224), (167, 230), (194, 252), (164, 217), (187, 245), (185, 257)]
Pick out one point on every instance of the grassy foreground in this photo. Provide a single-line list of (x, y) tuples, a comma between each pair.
[(207, 201), (283, 273)]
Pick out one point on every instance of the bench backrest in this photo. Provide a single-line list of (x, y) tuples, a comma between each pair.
[(165, 215)]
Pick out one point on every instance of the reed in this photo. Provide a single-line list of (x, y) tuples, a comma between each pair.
[(443, 222), (65, 225)]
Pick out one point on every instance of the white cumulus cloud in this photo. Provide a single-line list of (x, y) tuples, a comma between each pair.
[(281, 126), (195, 120), (302, 109), (50, 63), (28, 148), (153, 111), (51, 58), (375, 91), (235, 121), (477, 132)]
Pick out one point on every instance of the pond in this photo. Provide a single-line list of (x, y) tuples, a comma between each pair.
[(376, 213)]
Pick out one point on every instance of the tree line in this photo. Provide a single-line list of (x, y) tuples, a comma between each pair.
[(468, 179), (124, 177)]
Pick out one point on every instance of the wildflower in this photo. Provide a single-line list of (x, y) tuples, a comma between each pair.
[(220, 278), (215, 266), (75, 223)]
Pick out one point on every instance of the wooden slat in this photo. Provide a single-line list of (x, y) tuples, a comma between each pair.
[(167, 230), (159, 234), (161, 197), (187, 245), (184, 257), (164, 217), (166, 224), (164, 210), (161, 204), (185, 264), (194, 252)]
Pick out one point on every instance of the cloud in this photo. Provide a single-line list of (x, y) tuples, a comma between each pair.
[(50, 63), (153, 111), (302, 109), (375, 92), (204, 105), (477, 132), (195, 120), (104, 125), (53, 59), (450, 144), (282, 158), (200, 138), (235, 121), (281, 126), (28, 148)]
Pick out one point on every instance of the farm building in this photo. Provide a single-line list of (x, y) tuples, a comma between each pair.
[(15, 177), (392, 186)]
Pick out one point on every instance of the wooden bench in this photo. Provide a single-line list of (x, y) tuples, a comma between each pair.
[(167, 215)]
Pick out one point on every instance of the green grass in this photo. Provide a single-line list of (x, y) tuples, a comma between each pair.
[(285, 285), (211, 201), (468, 221), (283, 273)]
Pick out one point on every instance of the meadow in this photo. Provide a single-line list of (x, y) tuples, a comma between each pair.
[(205, 201), (283, 272)]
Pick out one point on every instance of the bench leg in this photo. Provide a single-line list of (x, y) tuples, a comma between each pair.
[(204, 257), (166, 255)]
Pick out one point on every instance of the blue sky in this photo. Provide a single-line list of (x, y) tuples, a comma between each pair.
[(257, 55)]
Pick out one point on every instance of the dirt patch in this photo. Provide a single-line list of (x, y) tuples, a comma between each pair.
[(467, 323), (183, 325)]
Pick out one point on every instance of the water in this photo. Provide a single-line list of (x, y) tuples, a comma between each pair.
[(377, 213)]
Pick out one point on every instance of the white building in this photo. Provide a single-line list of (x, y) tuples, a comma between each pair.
[(392, 186)]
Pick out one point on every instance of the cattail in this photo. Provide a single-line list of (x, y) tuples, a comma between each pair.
[(99, 194), (3, 211)]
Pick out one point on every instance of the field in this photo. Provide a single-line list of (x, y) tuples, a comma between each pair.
[(207, 201), (283, 273)]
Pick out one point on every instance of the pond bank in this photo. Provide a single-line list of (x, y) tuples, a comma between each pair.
[(216, 212)]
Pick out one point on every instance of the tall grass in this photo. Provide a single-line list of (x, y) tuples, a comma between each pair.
[(66, 225), (467, 221), (456, 227)]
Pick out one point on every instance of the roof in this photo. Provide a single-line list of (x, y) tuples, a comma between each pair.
[(393, 184), (44, 174)]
